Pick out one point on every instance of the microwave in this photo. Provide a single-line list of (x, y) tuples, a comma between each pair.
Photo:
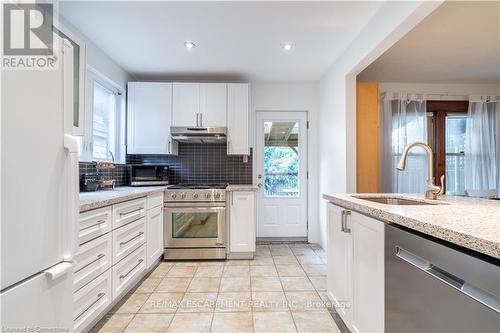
[(147, 175)]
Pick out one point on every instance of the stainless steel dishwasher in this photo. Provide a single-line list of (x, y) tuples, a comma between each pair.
[(431, 287)]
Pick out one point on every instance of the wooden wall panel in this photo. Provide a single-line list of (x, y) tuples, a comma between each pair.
[(367, 138)]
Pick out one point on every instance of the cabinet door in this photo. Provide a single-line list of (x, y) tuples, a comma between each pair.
[(154, 235), (339, 264), (367, 274), (242, 219), (213, 104), (237, 119), (185, 104), (149, 118)]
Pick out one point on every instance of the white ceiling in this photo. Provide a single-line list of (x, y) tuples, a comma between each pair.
[(234, 39), (459, 42)]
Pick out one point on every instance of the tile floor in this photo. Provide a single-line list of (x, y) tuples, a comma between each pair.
[(282, 290)]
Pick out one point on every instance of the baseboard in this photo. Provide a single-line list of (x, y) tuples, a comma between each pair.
[(278, 240), (240, 255)]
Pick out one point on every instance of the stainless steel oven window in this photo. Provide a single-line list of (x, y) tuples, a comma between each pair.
[(189, 225)]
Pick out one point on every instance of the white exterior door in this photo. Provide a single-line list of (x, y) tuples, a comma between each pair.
[(281, 171)]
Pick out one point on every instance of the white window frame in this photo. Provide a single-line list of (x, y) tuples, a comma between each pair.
[(87, 140)]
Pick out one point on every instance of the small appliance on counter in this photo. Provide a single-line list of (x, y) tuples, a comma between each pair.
[(89, 182), (147, 175)]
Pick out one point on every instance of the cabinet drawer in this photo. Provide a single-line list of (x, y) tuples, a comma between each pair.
[(128, 238), (94, 223), (91, 300), (155, 200), (129, 211), (92, 259), (128, 270)]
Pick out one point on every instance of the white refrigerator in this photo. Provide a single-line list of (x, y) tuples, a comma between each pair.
[(39, 195)]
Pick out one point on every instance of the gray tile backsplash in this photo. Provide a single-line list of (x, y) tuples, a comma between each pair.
[(201, 163)]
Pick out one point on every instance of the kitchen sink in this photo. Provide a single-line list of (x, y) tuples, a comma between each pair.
[(397, 201)]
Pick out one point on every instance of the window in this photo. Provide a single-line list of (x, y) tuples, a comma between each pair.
[(281, 159), (104, 125), (447, 124)]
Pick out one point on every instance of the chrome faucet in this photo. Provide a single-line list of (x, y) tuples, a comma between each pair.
[(433, 191)]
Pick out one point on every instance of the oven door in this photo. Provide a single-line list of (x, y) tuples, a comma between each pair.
[(189, 225)]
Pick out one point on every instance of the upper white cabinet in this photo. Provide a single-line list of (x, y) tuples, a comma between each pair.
[(185, 104), (237, 119), (199, 104), (242, 219), (149, 116), (356, 268), (213, 104)]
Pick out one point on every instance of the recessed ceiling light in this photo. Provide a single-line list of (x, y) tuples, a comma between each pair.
[(189, 45), (287, 47)]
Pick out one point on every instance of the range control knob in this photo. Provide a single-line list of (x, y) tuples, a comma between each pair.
[(174, 196), (208, 195), (183, 195), (195, 195), (217, 195)]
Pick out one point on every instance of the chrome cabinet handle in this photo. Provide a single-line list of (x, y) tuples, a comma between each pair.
[(131, 239), (482, 296), (131, 211), (132, 269), (99, 257), (99, 222), (346, 229), (99, 296)]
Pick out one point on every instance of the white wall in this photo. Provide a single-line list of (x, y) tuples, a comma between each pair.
[(338, 95), (100, 61), (296, 96)]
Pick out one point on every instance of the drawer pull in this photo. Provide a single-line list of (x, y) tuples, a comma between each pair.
[(99, 296), (132, 269), (131, 211), (94, 225), (99, 257), (131, 239)]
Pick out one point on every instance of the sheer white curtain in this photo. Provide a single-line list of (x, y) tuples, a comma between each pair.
[(403, 121), (482, 144)]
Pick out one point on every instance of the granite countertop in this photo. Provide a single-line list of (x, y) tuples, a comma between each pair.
[(242, 187), (468, 222), (93, 200)]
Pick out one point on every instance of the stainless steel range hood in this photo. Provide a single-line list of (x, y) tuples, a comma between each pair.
[(199, 134)]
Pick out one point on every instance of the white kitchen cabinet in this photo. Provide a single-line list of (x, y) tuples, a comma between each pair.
[(340, 263), (199, 104), (185, 104), (213, 104), (238, 119), (154, 249), (149, 117), (242, 221), (367, 274)]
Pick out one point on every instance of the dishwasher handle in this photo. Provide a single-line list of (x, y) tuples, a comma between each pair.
[(487, 299)]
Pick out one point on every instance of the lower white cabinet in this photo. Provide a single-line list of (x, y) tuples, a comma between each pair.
[(356, 268), (154, 244), (367, 274), (339, 263), (91, 300), (128, 238), (242, 221), (128, 270), (91, 260)]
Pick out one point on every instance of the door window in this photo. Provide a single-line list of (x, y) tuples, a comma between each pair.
[(281, 159)]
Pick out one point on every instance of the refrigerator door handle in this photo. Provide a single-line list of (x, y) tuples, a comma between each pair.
[(58, 270), (70, 233)]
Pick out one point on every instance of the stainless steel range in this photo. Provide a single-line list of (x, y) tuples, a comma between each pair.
[(195, 221)]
